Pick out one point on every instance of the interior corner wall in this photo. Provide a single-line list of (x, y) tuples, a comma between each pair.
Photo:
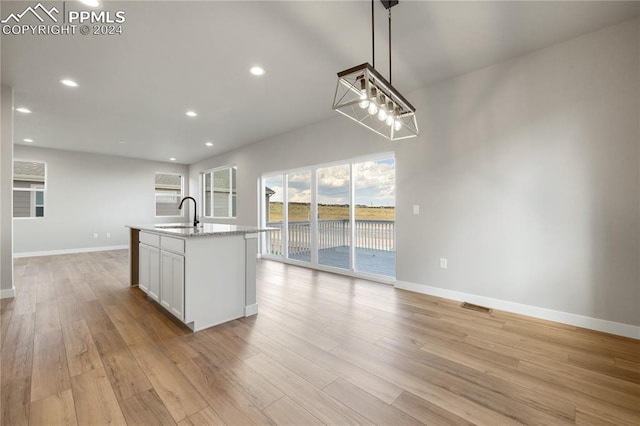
[(526, 173), (87, 194), (6, 170)]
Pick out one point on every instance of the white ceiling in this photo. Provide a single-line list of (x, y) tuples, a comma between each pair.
[(176, 56)]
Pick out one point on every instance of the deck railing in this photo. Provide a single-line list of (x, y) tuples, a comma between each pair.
[(369, 234)]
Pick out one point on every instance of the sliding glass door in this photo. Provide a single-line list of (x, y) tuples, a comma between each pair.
[(374, 195), (299, 216), (339, 217), (334, 216)]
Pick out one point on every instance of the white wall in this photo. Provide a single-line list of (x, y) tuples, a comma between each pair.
[(6, 170), (87, 194), (527, 174)]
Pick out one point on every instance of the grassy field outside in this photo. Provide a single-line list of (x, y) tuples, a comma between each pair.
[(301, 212)]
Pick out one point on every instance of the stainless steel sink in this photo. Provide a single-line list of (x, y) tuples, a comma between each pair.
[(174, 226)]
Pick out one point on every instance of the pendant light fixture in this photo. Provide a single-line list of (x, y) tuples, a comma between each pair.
[(363, 95)]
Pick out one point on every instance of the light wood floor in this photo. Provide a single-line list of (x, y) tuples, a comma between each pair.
[(81, 347)]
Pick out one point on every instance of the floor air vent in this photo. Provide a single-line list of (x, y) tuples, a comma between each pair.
[(473, 307)]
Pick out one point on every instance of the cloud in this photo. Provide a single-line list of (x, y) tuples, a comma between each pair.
[(304, 177), (375, 184), (334, 176), (298, 196)]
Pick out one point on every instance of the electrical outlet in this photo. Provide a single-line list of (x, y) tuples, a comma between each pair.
[(95, 235), (416, 209), (108, 234), (443, 263)]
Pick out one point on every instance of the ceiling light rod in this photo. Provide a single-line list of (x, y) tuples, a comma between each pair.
[(373, 37), (389, 44), (388, 4)]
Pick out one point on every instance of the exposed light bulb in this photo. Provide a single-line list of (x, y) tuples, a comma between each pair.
[(390, 117), (364, 102), (363, 93), (397, 125), (382, 114), (389, 120), (373, 108)]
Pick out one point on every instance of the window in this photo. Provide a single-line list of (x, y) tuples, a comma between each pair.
[(219, 192), (168, 194), (29, 187)]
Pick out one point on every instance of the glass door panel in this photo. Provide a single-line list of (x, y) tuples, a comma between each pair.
[(274, 214), (334, 231), (299, 215), (375, 193)]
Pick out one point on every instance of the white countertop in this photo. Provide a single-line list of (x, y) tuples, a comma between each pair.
[(203, 229)]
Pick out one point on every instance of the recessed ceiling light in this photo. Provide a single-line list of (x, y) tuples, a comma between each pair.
[(257, 70), (24, 110), (28, 140), (191, 114), (69, 83), (122, 142), (172, 159), (209, 143), (90, 3)]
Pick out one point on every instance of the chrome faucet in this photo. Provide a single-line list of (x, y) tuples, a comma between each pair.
[(195, 210)]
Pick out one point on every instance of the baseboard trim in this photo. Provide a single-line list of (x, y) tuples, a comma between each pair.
[(69, 251), (8, 293), (250, 310), (620, 329)]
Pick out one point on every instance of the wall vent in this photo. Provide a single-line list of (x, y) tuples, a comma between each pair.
[(473, 307)]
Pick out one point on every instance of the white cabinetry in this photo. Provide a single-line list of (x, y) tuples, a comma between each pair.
[(172, 283), (203, 280), (149, 281), (161, 273)]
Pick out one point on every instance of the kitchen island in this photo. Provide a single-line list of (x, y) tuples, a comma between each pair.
[(203, 275)]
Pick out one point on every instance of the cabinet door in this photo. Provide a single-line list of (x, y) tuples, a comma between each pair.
[(172, 278), (153, 288), (149, 270), (143, 267)]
